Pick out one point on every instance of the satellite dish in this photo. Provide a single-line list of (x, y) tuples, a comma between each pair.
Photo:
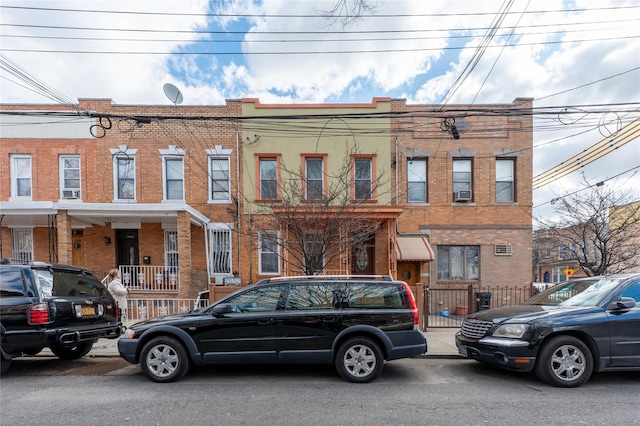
[(173, 93)]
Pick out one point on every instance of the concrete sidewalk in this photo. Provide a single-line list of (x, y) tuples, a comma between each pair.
[(440, 344)]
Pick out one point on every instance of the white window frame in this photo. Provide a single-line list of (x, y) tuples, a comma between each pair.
[(274, 236), (308, 179), (414, 178), (362, 178), (558, 275), (171, 250), (218, 154), (22, 244), (462, 169), (504, 177), (220, 250), (165, 177), (16, 177), (123, 153), (75, 191)]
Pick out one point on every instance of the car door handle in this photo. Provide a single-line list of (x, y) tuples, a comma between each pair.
[(332, 318), (265, 322)]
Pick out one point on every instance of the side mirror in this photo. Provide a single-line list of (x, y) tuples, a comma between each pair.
[(224, 308), (623, 303)]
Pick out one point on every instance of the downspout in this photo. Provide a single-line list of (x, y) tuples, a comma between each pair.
[(238, 183)]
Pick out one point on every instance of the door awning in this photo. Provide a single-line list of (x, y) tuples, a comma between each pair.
[(414, 249)]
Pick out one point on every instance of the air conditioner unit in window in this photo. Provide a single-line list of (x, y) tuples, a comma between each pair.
[(462, 196), (71, 193)]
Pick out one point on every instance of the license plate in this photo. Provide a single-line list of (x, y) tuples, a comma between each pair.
[(88, 311)]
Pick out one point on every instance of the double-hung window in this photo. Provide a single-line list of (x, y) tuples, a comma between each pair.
[(219, 174), (363, 178), (70, 176), (458, 263), (314, 178), (462, 179), (268, 169), (124, 173), (22, 244), (173, 178), (417, 180), (505, 180), (21, 175), (269, 248)]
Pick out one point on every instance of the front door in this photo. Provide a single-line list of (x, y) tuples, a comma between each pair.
[(77, 254), (362, 258)]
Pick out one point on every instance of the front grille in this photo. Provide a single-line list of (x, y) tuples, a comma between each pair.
[(475, 329)]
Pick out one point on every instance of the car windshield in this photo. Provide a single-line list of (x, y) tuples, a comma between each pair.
[(596, 291), (61, 283), (559, 293)]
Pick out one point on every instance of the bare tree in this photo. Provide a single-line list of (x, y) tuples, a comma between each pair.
[(319, 225), (347, 12), (599, 226)]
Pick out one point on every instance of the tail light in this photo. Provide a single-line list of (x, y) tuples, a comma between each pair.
[(412, 302), (38, 313)]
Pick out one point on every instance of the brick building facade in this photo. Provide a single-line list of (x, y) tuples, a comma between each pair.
[(166, 192)]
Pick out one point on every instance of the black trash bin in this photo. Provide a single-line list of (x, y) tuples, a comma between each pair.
[(483, 301)]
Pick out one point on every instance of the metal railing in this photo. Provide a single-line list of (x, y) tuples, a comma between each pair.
[(140, 309), (150, 279)]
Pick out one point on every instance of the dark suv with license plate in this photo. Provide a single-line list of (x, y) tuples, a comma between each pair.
[(61, 307), (354, 323)]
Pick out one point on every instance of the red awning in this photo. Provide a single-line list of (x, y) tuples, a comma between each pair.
[(414, 249)]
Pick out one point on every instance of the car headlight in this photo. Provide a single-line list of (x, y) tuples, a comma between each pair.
[(512, 331), (129, 334)]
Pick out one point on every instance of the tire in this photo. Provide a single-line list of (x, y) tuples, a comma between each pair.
[(163, 359), (4, 366), (564, 361), (72, 353), (359, 360)]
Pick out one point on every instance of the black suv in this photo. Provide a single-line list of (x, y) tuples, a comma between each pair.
[(43, 305), (355, 323)]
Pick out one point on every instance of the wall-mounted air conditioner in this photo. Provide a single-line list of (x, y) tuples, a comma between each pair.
[(71, 193), (462, 196)]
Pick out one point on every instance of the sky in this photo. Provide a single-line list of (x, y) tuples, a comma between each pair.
[(582, 55)]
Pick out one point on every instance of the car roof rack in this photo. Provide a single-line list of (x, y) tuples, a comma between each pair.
[(329, 277)]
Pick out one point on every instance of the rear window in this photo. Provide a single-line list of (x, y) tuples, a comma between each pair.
[(11, 282), (373, 295), (64, 284)]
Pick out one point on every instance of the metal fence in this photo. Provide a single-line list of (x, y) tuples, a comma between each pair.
[(142, 309), (447, 306)]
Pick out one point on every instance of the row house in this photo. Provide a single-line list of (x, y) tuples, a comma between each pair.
[(189, 198)]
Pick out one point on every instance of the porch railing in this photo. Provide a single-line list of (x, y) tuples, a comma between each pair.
[(144, 308), (150, 279)]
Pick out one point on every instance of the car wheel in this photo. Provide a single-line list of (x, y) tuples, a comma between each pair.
[(564, 361), (163, 359), (359, 360), (72, 353), (4, 366)]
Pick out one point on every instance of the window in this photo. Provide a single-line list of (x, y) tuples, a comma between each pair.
[(268, 178), (20, 175), (311, 297), (462, 177), (417, 181), (314, 178), (220, 184), (22, 244), (560, 252), (505, 179), (171, 250), (173, 178), (269, 253), (459, 263), (559, 274), (313, 252), (220, 249), (70, 176), (362, 169), (124, 173), (261, 299)]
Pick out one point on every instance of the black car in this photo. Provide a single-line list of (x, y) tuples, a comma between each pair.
[(61, 307), (354, 323), (563, 334)]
